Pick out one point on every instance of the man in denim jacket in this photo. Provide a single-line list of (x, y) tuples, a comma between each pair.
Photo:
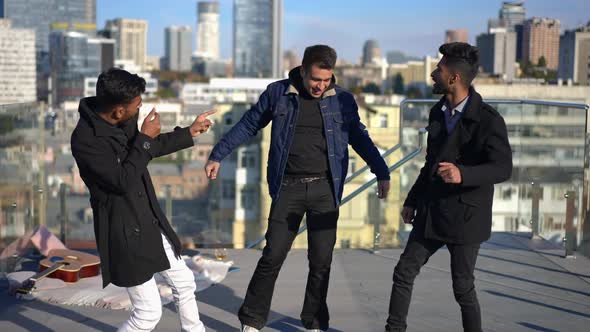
[(313, 121)]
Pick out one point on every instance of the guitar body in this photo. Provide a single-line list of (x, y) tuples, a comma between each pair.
[(75, 265)]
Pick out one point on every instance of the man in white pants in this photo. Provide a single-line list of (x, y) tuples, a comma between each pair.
[(147, 306), (133, 236)]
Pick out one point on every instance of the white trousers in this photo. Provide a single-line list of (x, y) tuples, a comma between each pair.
[(147, 306)]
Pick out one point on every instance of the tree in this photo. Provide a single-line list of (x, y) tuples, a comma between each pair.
[(166, 93), (526, 68), (542, 62), (398, 84), (414, 92), (357, 90), (372, 88)]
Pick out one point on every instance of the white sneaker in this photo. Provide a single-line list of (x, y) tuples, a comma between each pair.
[(246, 328), (313, 330)]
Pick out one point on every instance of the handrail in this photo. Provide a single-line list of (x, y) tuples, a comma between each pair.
[(366, 167), (506, 101), (417, 151)]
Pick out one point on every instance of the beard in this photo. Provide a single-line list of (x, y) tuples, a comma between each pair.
[(439, 89)]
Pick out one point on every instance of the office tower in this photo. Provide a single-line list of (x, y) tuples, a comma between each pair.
[(178, 48), (497, 52), (208, 29), (17, 64), (75, 56), (257, 38), (131, 38), (371, 53), (541, 39), (574, 55), (40, 14)]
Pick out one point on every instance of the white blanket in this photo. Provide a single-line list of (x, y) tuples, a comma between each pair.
[(89, 291)]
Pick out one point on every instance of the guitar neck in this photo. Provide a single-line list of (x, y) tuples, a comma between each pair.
[(47, 272)]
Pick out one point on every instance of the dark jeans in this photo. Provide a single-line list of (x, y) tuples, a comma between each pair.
[(316, 200), (416, 254)]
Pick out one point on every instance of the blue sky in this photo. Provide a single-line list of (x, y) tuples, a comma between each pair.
[(413, 26)]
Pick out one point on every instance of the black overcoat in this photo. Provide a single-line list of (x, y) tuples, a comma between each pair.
[(478, 145), (128, 221)]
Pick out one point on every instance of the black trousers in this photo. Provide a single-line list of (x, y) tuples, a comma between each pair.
[(316, 200), (416, 254)]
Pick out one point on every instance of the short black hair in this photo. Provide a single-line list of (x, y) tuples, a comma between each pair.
[(462, 58), (118, 87), (322, 56)]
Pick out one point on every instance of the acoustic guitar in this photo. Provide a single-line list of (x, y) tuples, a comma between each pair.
[(67, 265)]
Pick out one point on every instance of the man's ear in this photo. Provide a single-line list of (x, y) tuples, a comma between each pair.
[(454, 78), (302, 71), (118, 112)]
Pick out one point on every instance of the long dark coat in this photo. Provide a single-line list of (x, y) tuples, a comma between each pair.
[(461, 213), (128, 221)]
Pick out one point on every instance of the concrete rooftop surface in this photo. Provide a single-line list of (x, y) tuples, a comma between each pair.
[(523, 285)]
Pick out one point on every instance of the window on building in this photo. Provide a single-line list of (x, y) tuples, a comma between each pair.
[(558, 192), (506, 193), (526, 192), (228, 189), (248, 198), (248, 159), (383, 121)]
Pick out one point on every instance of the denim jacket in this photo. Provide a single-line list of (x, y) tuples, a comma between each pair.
[(279, 103)]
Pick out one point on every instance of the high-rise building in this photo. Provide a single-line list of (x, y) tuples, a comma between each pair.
[(17, 64), (541, 39), (512, 14), (178, 47), (44, 15), (131, 38), (75, 56), (208, 29), (497, 52), (371, 53), (257, 38), (1, 8), (40, 14), (90, 11), (574, 55), (456, 35)]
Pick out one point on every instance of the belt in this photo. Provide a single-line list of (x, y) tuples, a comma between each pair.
[(287, 181)]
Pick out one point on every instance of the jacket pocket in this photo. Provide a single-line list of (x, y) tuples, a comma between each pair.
[(342, 117), (468, 200), (341, 127), (132, 237), (470, 207)]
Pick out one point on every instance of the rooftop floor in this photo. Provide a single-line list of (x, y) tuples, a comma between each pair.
[(523, 285)]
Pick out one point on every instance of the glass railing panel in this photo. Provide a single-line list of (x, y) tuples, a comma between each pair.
[(415, 116), (548, 142), (22, 172)]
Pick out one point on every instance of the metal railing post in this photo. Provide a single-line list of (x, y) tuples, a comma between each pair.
[(569, 241), (63, 213), (536, 197)]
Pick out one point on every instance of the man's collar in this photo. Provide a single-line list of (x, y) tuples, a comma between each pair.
[(89, 111), (459, 108), (329, 93), (294, 74)]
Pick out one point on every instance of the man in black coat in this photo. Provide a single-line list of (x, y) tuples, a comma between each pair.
[(133, 236), (451, 202)]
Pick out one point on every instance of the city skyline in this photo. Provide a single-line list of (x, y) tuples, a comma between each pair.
[(305, 24)]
